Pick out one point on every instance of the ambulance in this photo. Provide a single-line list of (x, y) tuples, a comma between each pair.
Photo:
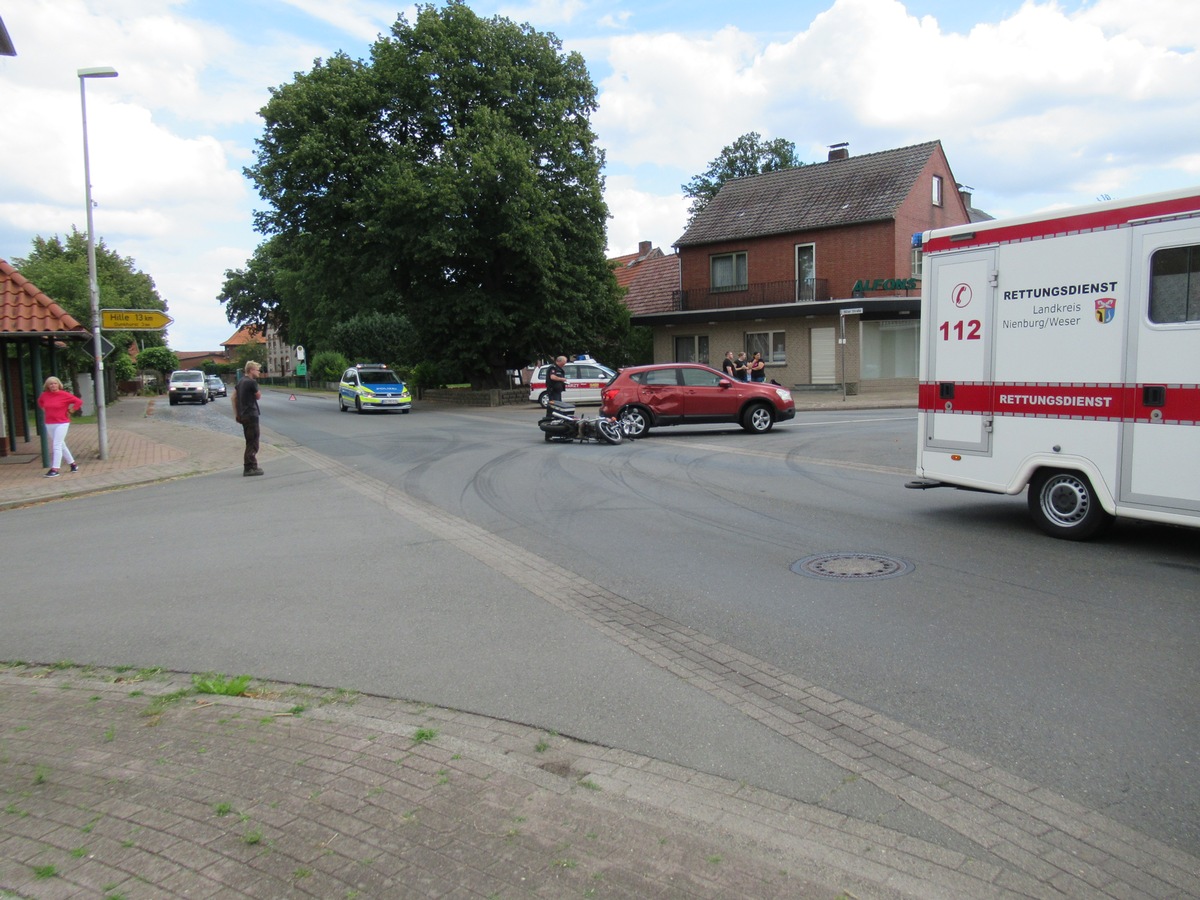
[(1061, 353)]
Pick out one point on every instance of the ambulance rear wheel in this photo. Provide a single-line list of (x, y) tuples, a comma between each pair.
[(1064, 505)]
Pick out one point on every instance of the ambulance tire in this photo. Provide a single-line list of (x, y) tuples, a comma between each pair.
[(1063, 504)]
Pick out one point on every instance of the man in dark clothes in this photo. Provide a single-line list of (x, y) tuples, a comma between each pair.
[(556, 380), (729, 365), (245, 409)]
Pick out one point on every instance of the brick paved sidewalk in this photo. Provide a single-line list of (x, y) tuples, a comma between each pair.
[(131, 784)]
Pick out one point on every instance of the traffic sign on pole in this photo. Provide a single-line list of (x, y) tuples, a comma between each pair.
[(134, 319)]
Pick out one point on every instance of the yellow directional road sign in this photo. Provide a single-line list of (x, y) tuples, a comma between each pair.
[(134, 319)]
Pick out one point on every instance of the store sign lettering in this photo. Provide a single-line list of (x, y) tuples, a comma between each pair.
[(886, 284)]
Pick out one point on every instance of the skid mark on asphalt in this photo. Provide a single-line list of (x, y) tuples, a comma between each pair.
[(1043, 839)]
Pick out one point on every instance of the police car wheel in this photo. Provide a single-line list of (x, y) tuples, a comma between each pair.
[(544, 400), (1063, 504), (341, 403), (358, 407)]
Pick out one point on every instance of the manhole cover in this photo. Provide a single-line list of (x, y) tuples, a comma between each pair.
[(843, 566)]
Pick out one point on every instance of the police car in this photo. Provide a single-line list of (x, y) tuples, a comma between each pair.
[(585, 378), (373, 386)]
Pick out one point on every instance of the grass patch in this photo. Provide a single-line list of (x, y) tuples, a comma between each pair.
[(44, 871), (421, 735), (252, 837), (222, 809), (214, 683), (39, 774)]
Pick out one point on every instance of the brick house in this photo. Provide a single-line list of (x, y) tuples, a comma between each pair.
[(773, 259)]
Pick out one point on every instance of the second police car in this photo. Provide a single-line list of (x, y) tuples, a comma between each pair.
[(373, 386)]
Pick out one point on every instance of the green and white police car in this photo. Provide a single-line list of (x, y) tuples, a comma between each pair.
[(373, 386)]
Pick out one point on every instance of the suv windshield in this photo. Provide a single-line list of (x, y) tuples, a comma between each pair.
[(188, 376)]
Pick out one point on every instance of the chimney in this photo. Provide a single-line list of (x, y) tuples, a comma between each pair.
[(964, 191), (645, 247), (839, 151)]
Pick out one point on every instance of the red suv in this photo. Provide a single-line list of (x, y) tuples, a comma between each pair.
[(690, 394)]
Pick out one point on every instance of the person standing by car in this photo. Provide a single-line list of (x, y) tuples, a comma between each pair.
[(55, 403), (741, 367), (556, 380), (245, 409), (757, 368), (728, 366)]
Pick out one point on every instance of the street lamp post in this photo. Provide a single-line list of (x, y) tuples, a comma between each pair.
[(93, 284)]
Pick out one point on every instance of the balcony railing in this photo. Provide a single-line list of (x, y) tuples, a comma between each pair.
[(770, 293)]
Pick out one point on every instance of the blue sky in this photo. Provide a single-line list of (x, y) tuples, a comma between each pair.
[(1038, 105)]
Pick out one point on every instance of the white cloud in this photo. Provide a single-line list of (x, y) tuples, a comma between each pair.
[(364, 20), (1041, 104), (643, 216), (547, 12)]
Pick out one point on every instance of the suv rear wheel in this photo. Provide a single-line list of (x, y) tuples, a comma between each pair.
[(635, 420)]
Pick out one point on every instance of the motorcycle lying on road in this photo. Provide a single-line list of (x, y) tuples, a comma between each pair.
[(562, 424)]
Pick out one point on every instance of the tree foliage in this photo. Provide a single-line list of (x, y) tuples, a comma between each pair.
[(159, 359), (377, 337), (452, 179), (59, 268), (328, 365), (748, 155)]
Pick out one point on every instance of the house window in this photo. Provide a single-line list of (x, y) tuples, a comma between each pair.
[(937, 190), (691, 348), (917, 260), (728, 272), (1175, 285), (806, 272), (771, 344)]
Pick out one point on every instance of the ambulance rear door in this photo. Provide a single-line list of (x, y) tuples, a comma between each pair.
[(959, 348)]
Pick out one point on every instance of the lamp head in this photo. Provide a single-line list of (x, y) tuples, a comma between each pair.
[(98, 72)]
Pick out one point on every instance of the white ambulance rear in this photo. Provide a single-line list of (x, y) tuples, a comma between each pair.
[(1062, 353)]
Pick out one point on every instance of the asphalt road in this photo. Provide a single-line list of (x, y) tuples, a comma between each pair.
[(1072, 665)]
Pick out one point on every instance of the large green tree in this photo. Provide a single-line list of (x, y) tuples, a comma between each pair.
[(59, 268), (453, 179), (748, 155)]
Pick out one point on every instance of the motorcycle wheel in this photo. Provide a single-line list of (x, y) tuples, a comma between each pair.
[(610, 431)]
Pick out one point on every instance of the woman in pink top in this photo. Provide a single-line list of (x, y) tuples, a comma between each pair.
[(56, 404)]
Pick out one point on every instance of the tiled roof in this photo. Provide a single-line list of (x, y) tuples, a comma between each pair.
[(847, 191), (653, 288), (625, 268), (24, 310), (247, 334)]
